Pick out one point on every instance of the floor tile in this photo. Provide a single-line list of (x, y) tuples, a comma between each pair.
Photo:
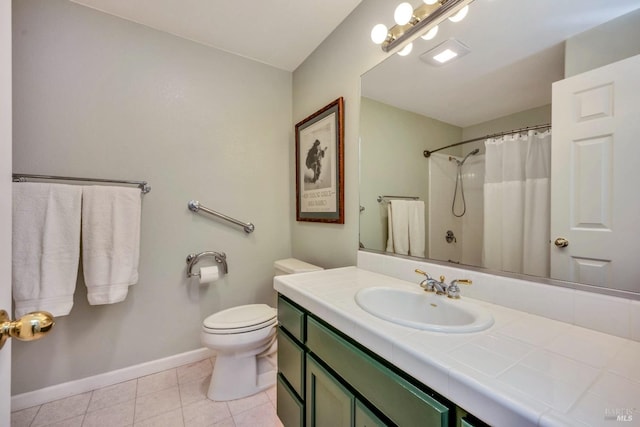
[(153, 404), (205, 413), (156, 382), (69, 422), (120, 415), (194, 391), (260, 416), (168, 419), (25, 417), (112, 395), (62, 409), (194, 371), (171, 398), (240, 405)]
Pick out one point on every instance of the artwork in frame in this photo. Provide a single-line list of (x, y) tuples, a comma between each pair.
[(320, 165)]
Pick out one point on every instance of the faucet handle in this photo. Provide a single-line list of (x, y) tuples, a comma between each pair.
[(423, 273), (427, 283), (462, 281)]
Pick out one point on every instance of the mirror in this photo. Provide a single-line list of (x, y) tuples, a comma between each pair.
[(518, 49)]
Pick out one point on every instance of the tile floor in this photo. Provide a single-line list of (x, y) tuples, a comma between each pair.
[(173, 398)]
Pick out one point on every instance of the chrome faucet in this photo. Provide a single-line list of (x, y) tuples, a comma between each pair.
[(440, 287), (432, 285)]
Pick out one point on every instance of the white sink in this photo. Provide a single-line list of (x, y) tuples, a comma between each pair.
[(422, 310)]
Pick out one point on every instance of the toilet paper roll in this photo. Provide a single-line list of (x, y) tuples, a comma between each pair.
[(209, 274)]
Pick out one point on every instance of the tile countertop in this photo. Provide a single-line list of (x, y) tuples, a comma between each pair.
[(525, 370)]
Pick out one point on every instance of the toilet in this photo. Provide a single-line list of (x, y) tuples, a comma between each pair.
[(244, 339)]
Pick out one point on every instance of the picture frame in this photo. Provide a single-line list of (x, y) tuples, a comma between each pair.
[(320, 165)]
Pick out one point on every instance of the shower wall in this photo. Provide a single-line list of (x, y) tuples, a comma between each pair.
[(468, 229)]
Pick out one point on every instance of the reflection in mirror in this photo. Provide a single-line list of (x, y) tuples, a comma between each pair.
[(495, 200)]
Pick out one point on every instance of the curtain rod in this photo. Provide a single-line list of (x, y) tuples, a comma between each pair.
[(428, 153), (22, 177)]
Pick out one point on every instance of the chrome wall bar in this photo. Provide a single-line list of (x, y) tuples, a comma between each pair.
[(195, 206), (381, 199), (22, 177), (428, 153)]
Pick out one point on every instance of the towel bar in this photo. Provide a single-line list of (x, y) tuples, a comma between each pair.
[(195, 206)]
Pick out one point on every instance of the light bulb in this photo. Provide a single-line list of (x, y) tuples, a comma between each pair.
[(403, 13), (430, 34), (406, 50), (430, 2), (460, 15), (379, 33)]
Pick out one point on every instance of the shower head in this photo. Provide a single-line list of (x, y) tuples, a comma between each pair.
[(472, 153)]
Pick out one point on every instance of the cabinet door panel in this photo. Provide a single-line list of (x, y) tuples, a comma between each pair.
[(291, 319), (291, 362), (290, 408), (329, 403)]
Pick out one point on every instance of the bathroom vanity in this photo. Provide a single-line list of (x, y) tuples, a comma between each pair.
[(341, 366)]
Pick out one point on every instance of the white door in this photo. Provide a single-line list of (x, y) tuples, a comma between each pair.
[(5, 203), (595, 201)]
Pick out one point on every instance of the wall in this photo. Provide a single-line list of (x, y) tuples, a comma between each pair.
[(391, 145), (597, 47), (331, 71), (98, 96)]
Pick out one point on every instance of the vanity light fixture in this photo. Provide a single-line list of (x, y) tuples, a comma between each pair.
[(423, 20), (445, 52)]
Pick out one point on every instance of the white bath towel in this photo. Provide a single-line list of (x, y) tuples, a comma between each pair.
[(110, 241), (46, 246), (398, 241), (416, 228)]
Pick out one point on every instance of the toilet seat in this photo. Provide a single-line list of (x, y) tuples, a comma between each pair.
[(237, 320)]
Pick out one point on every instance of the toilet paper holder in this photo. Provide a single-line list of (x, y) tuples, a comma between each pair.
[(220, 257)]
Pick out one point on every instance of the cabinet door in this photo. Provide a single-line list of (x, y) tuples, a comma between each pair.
[(366, 418), (290, 409), (291, 362), (329, 403)]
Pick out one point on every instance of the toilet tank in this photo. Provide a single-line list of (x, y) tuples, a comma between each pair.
[(292, 266)]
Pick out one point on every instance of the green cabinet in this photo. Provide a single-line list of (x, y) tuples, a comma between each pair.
[(327, 379), (329, 403)]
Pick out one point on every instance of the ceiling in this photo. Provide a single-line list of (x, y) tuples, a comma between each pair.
[(281, 33), (517, 51)]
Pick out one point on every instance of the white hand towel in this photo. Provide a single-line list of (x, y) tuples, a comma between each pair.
[(389, 228), (46, 246), (110, 241), (400, 226), (416, 228)]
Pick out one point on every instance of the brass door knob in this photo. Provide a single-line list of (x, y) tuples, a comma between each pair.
[(31, 326), (561, 242)]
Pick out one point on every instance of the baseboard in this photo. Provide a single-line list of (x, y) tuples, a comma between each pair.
[(60, 391)]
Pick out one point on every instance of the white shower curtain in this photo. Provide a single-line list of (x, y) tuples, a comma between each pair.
[(516, 203)]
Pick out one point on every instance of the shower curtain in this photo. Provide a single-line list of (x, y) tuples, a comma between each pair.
[(517, 203)]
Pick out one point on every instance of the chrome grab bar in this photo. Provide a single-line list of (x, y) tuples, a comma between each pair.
[(195, 206)]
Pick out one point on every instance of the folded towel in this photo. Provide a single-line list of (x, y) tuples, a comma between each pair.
[(398, 227), (46, 246), (110, 241), (416, 228)]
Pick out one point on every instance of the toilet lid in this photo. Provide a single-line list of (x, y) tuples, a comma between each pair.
[(241, 317)]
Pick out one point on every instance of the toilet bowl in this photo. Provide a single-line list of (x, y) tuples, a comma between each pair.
[(244, 339)]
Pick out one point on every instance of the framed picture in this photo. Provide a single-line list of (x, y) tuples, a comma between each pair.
[(320, 165)]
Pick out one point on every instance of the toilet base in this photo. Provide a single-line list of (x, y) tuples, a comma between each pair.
[(238, 377)]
